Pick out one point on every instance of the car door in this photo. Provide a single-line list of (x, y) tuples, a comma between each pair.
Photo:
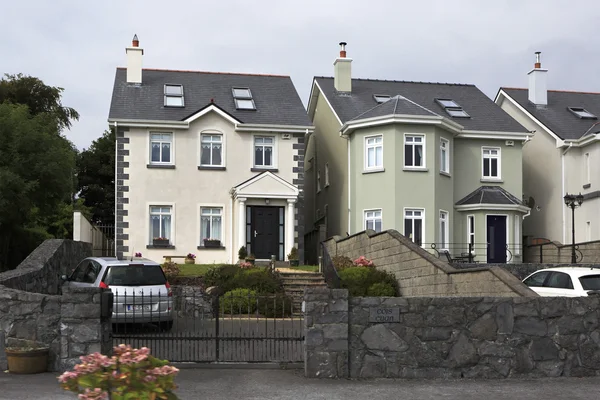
[(559, 284), (536, 282), (83, 275)]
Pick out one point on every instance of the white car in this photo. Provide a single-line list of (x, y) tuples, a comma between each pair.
[(565, 281)]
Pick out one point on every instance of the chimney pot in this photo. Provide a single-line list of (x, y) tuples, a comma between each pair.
[(135, 42), (343, 49), (538, 63)]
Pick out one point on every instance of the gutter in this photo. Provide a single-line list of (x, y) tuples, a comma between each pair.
[(116, 183)]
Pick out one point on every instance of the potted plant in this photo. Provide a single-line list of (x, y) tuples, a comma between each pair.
[(242, 253), (209, 242), (160, 241), (293, 257), (250, 258), (190, 258), (27, 358)]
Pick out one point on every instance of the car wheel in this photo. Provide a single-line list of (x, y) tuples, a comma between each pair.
[(165, 326)]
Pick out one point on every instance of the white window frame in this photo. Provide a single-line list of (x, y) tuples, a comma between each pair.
[(444, 218), (413, 145), (212, 133), (471, 231), (422, 218), (149, 215), (490, 157), (326, 174), (160, 141), (223, 225), (174, 96), (368, 146), (373, 218), (273, 156), (445, 149)]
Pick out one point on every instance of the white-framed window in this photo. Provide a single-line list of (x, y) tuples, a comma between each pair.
[(444, 230), (517, 239), (471, 229), (373, 220), (414, 151), (326, 174), (174, 96), (161, 148), (373, 152), (586, 168), (161, 219), (318, 180), (211, 150), (414, 219), (445, 155), (243, 99), (491, 162), (211, 223), (264, 151)]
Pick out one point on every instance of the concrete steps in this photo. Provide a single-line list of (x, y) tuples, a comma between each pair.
[(295, 282)]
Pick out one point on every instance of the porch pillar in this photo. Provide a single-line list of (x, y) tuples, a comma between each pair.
[(289, 226), (241, 222)]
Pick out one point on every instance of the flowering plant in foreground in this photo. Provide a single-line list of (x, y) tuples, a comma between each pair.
[(190, 256), (362, 261), (138, 254), (129, 374)]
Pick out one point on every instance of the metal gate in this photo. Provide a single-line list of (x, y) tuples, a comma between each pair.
[(206, 329), (103, 239)]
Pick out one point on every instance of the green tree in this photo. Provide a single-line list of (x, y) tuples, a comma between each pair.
[(96, 177)]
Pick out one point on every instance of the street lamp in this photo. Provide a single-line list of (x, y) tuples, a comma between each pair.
[(573, 201)]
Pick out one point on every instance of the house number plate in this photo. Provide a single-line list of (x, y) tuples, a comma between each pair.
[(384, 314)]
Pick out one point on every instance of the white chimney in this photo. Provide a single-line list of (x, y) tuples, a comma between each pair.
[(342, 71), (134, 61), (538, 86)]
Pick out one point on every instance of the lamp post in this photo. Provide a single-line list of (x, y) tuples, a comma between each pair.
[(572, 201)]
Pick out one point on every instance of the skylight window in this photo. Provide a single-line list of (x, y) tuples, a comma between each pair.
[(243, 99), (582, 113), (453, 108), (381, 98), (174, 96)]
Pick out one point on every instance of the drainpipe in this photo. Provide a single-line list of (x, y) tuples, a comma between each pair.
[(232, 250), (564, 215), (116, 181)]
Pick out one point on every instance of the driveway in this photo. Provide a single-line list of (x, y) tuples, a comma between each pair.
[(226, 384)]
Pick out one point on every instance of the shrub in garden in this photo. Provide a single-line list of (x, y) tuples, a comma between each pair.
[(363, 261), (238, 301), (258, 279), (358, 280), (219, 275), (342, 262), (277, 306), (129, 374), (381, 289), (170, 269)]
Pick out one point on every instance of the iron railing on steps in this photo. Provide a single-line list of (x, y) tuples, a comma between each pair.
[(329, 272)]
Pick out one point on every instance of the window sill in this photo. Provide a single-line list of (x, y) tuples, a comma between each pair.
[(207, 168), (373, 171), (210, 248), (445, 174), (149, 246), (415, 169), (264, 169), (491, 180), (161, 166), (587, 186)]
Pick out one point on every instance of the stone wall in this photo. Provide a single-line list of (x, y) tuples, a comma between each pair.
[(40, 272), (557, 253), (419, 273), (451, 337)]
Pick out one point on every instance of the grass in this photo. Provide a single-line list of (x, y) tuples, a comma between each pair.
[(194, 269), (309, 268)]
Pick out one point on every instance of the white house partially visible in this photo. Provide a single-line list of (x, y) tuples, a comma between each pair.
[(207, 162)]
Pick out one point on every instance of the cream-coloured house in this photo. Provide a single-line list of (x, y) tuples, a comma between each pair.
[(440, 163), (560, 158), (207, 162)]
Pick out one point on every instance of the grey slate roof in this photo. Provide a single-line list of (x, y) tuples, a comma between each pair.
[(485, 114), (397, 105), (276, 99), (556, 115), (489, 195)]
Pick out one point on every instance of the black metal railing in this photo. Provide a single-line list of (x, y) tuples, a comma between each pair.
[(192, 326), (479, 252), (329, 272)]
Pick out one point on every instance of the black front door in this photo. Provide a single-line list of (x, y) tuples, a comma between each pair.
[(264, 232), (496, 239)]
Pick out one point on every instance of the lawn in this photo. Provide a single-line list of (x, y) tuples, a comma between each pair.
[(194, 269)]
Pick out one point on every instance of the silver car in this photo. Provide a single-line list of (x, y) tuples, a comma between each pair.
[(141, 291)]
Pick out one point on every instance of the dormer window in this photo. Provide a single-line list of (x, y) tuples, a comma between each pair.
[(381, 98), (174, 96), (453, 108), (243, 99), (582, 113)]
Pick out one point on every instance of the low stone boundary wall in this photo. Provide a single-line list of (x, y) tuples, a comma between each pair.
[(449, 337)]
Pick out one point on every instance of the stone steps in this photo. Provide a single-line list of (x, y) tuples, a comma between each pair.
[(294, 284)]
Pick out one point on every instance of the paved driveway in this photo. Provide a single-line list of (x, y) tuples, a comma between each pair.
[(226, 384)]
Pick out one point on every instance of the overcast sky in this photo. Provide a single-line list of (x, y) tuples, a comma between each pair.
[(78, 44)]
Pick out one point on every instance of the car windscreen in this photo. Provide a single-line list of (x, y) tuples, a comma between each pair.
[(590, 282), (134, 275)]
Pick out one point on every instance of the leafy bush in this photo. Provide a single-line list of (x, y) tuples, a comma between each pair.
[(219, 275), (277, 306), (261, 280), (171, 270), (363, 261), (342, 262), (381, 289), (238, 301), (358, 280), (242, 253)]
